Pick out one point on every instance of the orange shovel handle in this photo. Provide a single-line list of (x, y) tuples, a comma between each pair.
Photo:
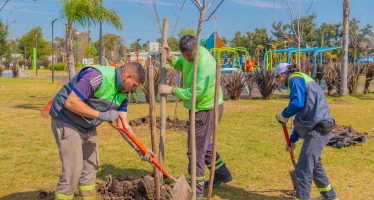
[(287, 137), (142, 148)]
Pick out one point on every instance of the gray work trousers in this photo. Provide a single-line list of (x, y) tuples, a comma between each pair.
[(79, 158), (309, 167), (204, 127)]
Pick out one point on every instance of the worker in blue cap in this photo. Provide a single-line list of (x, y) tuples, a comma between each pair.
[(313, 122)]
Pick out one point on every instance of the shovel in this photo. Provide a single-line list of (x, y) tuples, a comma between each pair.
[(181, 189), (292, 155)]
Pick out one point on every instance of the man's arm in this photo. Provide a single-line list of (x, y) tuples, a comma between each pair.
[(297, 97), (76, 105)]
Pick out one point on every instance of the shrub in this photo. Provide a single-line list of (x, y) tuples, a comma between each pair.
[(15, 71), (354, 73), (59, 66), (265, 82), (2, 68), (233, 84), (369, 76)]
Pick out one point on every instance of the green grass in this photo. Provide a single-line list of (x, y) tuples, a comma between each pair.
[(250, 141)]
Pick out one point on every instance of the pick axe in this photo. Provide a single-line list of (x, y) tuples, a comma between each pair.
[(292, 155)]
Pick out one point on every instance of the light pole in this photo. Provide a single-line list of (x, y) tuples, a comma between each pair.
[(136, 49), (53, 67), (36, 53)]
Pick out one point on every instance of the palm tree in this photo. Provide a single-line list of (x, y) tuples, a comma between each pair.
[(84, 13), (344, 66)]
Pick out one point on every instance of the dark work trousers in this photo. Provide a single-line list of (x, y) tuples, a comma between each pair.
[(309, 167), (204, 127)]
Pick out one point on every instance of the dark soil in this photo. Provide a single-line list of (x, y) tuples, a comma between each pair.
[(344, 136), (120, 188), (131, 189), (175, 124), (287, 195)]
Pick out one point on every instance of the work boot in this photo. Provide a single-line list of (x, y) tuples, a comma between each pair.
[(321, 198), (218, 179)]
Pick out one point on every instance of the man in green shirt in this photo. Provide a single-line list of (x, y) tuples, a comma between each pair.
[(204, 122)]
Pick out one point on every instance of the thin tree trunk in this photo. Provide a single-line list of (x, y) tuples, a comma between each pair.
[(344, 69), (163, 97), (69, 50), (152, 116), (215, 133), (193, 106)]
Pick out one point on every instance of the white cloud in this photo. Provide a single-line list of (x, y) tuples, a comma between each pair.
[(260, 3)]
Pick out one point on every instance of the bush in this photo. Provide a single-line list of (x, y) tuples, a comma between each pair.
[(59, 67), (369, 76), (265, 82), (250, 84), (233, 84), (2, 68), (354, 73), (332, 77), (15, 71)]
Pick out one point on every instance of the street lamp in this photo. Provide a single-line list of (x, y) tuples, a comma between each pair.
[(53, 67), (136, 49), (36, 53)]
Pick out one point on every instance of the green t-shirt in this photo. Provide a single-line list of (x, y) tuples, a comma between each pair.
[(205, 82)]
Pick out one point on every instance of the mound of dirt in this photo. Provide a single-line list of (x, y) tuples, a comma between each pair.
[(120, 188), (175, 124), (128, 189), (345, 136)]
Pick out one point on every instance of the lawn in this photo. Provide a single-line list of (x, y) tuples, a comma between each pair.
[(250, 141)]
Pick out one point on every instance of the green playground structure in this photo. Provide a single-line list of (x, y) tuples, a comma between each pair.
[(274, 57)]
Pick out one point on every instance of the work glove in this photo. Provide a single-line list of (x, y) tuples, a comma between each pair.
[(109, 116), (281, 119), (291, 148), (165, 89)]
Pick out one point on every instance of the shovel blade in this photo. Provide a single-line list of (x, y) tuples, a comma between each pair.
[(181, 189), (293, 178)]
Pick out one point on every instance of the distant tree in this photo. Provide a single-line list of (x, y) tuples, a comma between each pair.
[(4, 45), (30, 40), (186, 31), (358, 36), (239, 40)]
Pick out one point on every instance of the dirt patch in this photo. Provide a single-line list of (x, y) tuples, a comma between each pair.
[(119, 188), (345, 136), (175, 124), (287, 195)]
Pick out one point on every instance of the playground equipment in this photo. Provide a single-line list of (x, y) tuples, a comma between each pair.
[(233, 57), (285, 55)]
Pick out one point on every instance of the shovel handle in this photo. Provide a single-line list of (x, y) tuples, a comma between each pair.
[(287, 137), (142, 148)]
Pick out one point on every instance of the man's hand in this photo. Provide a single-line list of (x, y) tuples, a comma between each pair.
[(165, 89), (291, 148), (281, 119), (109, 116), (166, 49)]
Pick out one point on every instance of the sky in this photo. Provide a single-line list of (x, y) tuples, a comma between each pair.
[(138, 18)]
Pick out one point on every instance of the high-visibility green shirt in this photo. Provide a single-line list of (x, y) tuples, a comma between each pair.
[(205, 82)]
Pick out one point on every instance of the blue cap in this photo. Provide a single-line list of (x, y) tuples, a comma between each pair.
[(281, 68)]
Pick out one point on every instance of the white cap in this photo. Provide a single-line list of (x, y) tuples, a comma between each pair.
[(281, 68)]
